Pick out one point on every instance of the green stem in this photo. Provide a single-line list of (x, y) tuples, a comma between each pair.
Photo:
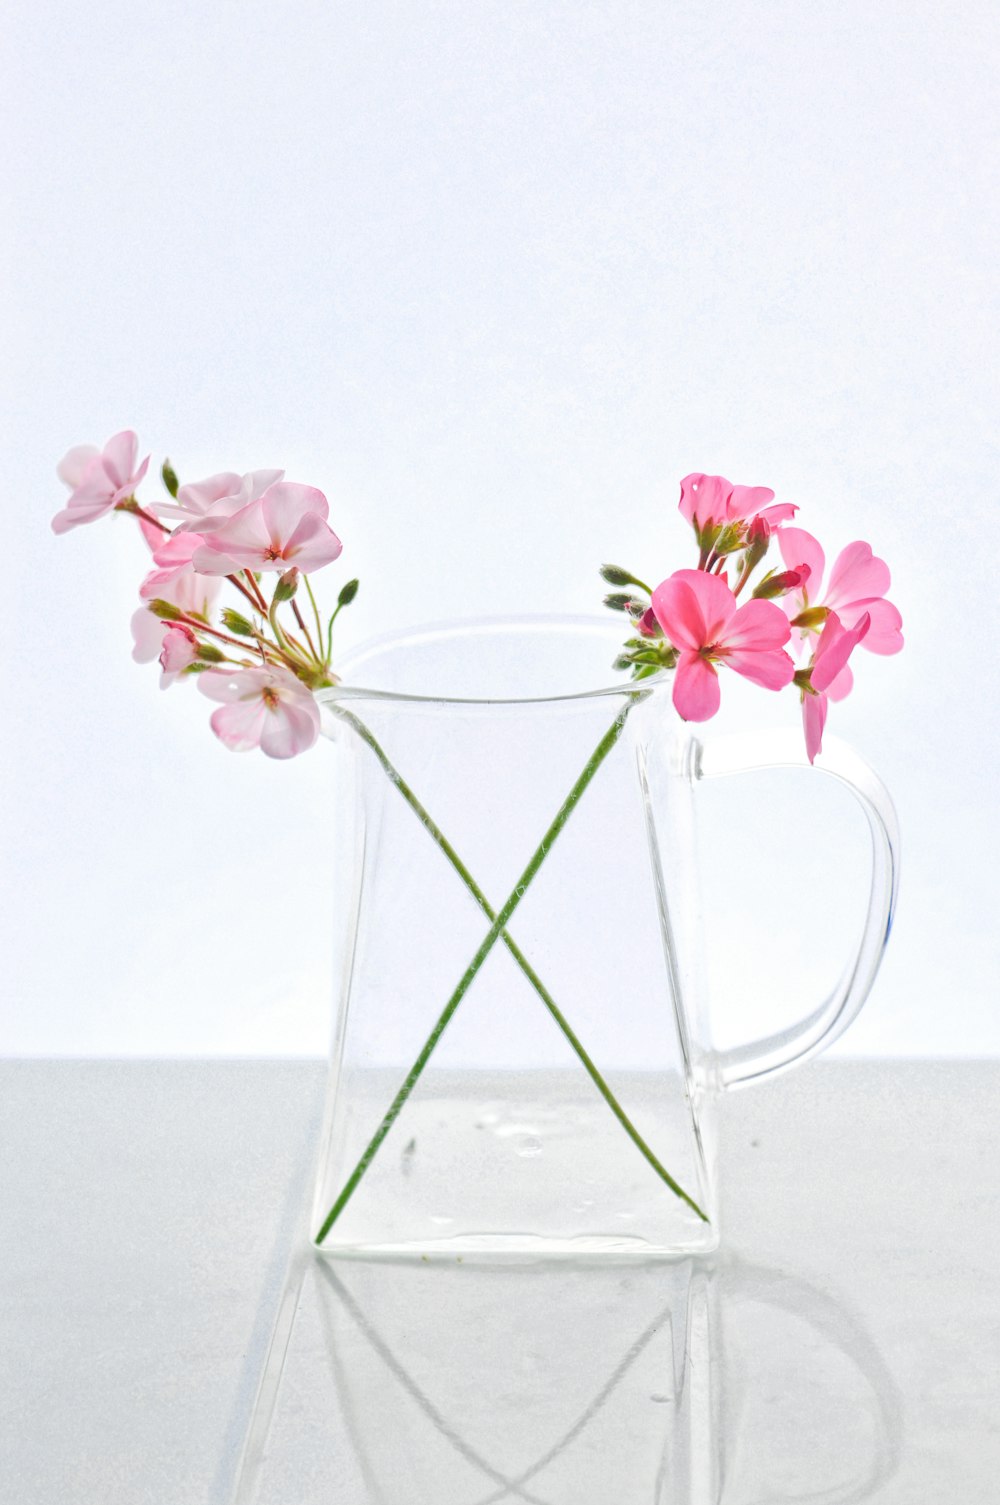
[(496, 931), (319, 624)]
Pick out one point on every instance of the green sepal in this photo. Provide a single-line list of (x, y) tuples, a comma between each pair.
[(170, 480)]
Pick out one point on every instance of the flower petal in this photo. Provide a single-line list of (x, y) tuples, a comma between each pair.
[(835, 646), (312, 545), (75, 463), (857, 575), (883, 635), (814, 708), (119, 456), (703, 498), (239, 726), (291, 727), (746, 501), (696, 693), (698, 605), (758, 625), (771, 668), (799, 547)]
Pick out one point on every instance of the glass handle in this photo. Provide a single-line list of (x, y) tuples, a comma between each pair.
[(745, 753)]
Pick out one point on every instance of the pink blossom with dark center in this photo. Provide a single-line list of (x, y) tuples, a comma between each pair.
[(706, 624), (267, 708)]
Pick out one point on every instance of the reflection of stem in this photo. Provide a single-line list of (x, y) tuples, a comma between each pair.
[(498, 929)]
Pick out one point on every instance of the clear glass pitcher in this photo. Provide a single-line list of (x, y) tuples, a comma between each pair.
[(521, 1060)]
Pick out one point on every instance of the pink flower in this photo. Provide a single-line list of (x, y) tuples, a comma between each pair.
[(173, 643), (702, 619), (219, 495), (830, 675), (856, 587), (178, 583), (267, 708), (99, 480), (180, 648), (284, 527), (712, 501)]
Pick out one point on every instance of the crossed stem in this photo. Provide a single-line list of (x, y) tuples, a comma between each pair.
[(496, 932)]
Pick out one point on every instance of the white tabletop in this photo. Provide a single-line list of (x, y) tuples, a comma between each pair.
[(845, 1347)]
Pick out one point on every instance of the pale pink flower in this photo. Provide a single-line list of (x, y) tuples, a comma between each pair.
[(179, 649), (712, 501), (99, 480), (219, 495), (173, 643), (830, 675), (703, 620), (284, 527), (856, 587), (179, 584), (267, 708)]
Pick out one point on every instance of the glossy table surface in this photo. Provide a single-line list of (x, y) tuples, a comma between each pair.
[(845, 1347)]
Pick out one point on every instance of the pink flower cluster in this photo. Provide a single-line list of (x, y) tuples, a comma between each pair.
[(693, 621), (261, 670)]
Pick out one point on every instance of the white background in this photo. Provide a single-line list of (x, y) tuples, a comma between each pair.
[(494, 276)]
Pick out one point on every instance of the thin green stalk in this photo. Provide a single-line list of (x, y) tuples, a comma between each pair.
[(497, 929)]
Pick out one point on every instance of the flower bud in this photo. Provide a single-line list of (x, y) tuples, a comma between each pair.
[(815, 616), (778, 585), (348, 593), (649, 627), (209, 654), (170, 480), (236, 622), (165, 610), (618, 601), (287, 585)]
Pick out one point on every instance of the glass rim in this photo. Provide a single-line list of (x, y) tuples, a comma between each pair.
[(486, 626)]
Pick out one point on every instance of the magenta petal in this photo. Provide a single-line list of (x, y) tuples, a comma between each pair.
[(841, 685), (745, 501), (835, 646), (857, 575), (883, 635), (758, 625), (782, 512), (675, 607), (704, 498), (771, 668), (696, 693), (799, 547), (814, 708)]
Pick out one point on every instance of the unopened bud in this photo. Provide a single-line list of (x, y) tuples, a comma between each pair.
[(287, 585), (236, 622), (814, 616), (165, 610), (649, 626), (348, 593), (778, 585), (170, 480), (618, 601), (209, 654), (636, 609)]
